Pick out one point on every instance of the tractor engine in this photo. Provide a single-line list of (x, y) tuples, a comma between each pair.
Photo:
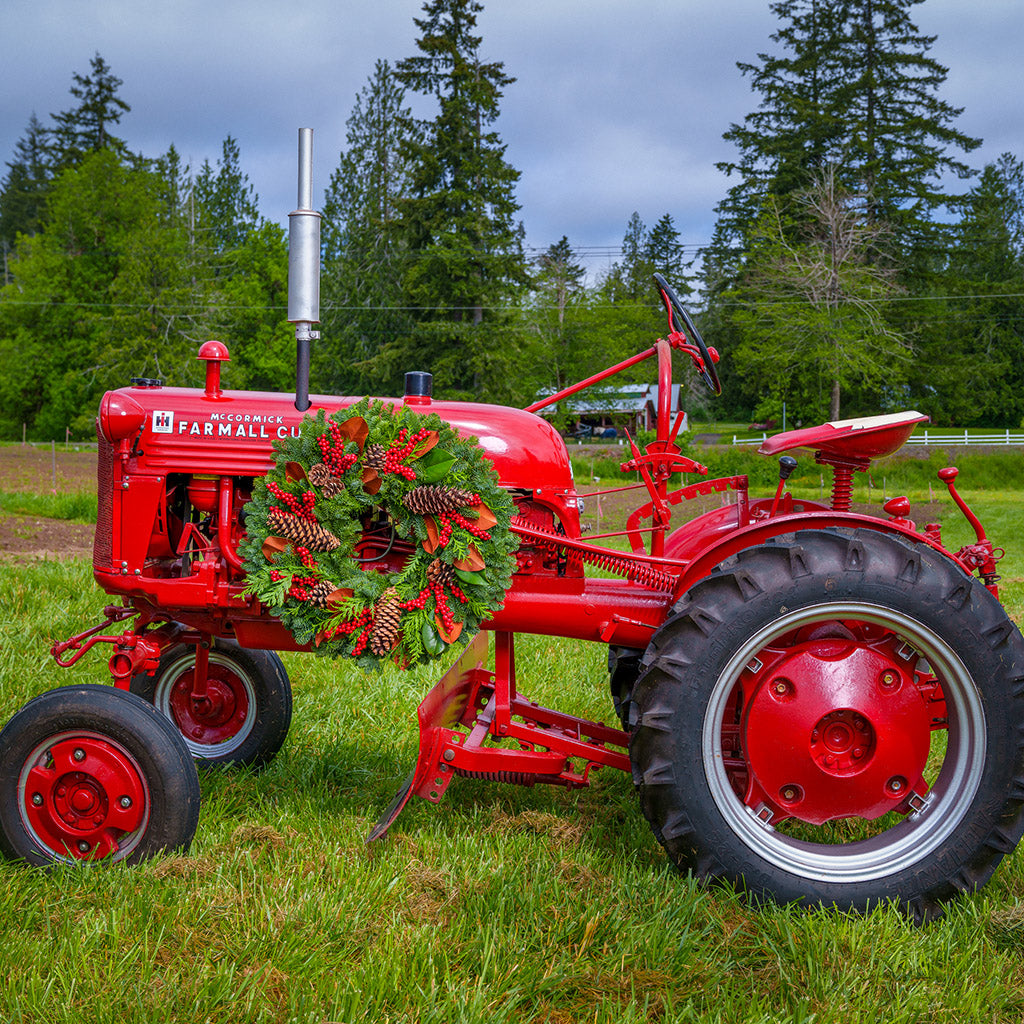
[(176, 468)]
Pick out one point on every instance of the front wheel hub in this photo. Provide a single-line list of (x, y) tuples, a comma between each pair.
[(834, 728), (84, 797), (215, 717)]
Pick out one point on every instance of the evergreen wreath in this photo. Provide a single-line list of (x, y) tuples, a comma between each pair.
[(375, 465)]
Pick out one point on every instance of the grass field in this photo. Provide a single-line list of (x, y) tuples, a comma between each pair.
[(500, 904)]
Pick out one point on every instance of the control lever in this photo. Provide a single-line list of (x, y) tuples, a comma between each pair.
[(786, 466)]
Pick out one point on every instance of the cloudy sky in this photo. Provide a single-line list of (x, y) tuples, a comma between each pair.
[(618, 106)]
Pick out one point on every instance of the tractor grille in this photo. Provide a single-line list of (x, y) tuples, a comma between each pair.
[(103, 539)]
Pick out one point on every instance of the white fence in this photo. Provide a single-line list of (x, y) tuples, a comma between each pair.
[(932, 437), (968, 437)]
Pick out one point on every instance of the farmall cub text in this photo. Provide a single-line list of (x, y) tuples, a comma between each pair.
[(816, 704)]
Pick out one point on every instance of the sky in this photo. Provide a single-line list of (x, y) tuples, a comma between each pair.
[(617, 106)]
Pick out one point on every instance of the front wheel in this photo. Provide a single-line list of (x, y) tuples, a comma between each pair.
[(244, 717), (837, 718), (92, 773)]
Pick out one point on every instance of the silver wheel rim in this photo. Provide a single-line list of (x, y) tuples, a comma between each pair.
[(922, 831), (162, 702)]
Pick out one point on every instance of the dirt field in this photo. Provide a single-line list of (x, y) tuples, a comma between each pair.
[(39, 470)]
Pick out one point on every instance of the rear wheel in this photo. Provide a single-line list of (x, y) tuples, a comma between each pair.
[(623, 669), (92, 773), (835, 719), (245, 715)]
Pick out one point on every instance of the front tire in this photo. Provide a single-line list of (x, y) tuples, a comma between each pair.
[(836, 718), (247, 714), (92, 773)]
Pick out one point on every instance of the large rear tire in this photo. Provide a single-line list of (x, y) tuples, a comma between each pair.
[(92, 773), (835, 718), (248, 710)]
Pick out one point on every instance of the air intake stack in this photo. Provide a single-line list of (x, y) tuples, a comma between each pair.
[(304, 269)]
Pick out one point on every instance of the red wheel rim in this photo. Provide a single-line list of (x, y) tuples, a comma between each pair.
[(83, 798), (218, 717), (832, 724)]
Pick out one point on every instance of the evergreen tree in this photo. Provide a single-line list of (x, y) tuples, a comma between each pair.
[(23, 190), (854, 89), (665, 254), (88, 126), (971, 323), (365, 259), (643, 253), (900, 134), (458, 220), (226, 206), (563, 346)]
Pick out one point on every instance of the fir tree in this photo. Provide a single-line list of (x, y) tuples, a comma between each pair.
[(23, 190), (226, 204), (365, 258), (87, 128), (854, 88), (459, 218)]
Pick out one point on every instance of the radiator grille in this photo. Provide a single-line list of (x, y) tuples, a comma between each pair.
[(103, 538)]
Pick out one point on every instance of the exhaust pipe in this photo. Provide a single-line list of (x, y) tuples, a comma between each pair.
[(304, 269)]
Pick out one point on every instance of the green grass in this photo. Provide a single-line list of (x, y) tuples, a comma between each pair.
[(77, 506), (499, 904)]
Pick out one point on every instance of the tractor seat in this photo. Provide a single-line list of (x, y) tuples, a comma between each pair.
[(867, 437)]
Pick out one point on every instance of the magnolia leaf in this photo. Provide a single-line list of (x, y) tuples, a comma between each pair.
[(473, 579), (371, 481), (431, 639), (434, 468), (355, 429), (473, 561), (433, 539), (485, 518), (449, 636), (423, 447), (338, 596), (294, 473), (274, 546)]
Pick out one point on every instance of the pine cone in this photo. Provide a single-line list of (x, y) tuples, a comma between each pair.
[(319, 594), (387, 617), (373, 456), (431, 499), (301, 532), (441, 573), (319, 475)]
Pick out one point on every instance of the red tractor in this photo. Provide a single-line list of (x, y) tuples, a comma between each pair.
[(816, 704)]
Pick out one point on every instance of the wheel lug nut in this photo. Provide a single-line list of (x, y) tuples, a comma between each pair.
[(896, 784), (78, 754), (37, 799), (125, 802), (83, 846)]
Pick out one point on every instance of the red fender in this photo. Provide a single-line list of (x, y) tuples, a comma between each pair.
[(718, 550)]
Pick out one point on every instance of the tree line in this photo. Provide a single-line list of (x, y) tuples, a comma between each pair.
[(843, 277)]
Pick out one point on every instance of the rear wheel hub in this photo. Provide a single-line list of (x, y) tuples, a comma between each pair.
[(833, 728)]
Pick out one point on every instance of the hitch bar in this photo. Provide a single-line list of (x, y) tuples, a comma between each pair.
[(114, 613)]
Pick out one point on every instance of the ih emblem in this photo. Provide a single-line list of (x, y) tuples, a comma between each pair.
[(163, 421)]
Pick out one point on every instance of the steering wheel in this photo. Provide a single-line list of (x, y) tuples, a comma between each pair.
[(677, 318)]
